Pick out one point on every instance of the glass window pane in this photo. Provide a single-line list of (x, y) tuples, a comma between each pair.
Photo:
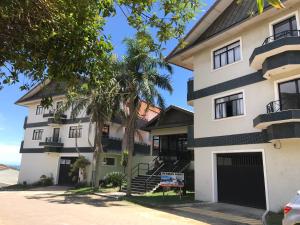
[(289, 96), (230, 56), (237, 53), (217, 62), (223, 59)]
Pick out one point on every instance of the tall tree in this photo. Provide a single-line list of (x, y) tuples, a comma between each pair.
[(98, 99), (142, 76)]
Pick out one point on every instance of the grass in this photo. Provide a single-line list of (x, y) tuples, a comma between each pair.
[(91, 190), (170, 198), (274, 218)]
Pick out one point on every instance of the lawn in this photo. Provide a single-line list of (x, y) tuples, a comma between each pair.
[(91, 190), (158, 198)]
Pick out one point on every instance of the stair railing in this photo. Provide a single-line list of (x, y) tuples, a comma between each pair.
[(186, 166), (151, 176), (139, 167)]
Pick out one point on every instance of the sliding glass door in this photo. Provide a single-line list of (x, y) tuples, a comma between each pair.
[(289, 93)]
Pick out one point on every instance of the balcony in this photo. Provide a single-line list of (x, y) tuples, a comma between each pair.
[(278, 54), (115, 144), (282, 120), (190, 91), (52, 142)]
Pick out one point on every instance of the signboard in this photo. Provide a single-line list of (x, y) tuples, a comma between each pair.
[(172, 179)]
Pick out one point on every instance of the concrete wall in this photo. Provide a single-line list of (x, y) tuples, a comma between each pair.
[(281, 173)]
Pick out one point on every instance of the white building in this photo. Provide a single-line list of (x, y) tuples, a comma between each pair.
[(50, 144), (246, 97)]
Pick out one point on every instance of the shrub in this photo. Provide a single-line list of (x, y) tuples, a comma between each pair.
[(115, 179), (45, 181)]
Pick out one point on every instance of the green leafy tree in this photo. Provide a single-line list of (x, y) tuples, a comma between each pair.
[(60, 39), (141, 78)]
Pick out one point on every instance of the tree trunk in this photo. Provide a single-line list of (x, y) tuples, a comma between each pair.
[(97, 153), (130, 142)]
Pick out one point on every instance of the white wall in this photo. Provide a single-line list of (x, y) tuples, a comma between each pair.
[(282, 175)]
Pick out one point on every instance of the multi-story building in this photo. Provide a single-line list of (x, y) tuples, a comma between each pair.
[(246, 97), (51, 143)]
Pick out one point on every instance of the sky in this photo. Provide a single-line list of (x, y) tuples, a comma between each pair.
[(12, 116)]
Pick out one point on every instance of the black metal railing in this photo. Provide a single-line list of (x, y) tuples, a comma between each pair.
[(154, 174), (283, 34), (278, 106), (53, 140)]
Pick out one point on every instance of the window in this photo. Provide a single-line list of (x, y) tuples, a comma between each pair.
[(227, 55), (39, 110), (229, 106), (37, 134), (285, 28), (109, 161), (105, 131), (75, 132)]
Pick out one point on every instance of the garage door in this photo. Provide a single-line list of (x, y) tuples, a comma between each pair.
[(241, 179)]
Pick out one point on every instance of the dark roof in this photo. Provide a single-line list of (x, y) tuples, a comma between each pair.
[(236, 13), (51, 89), (173, 116)]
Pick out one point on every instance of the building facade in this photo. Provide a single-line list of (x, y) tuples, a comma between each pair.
[(246, 97), (53, 142)]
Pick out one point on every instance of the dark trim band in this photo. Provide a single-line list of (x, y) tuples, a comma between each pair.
[(278, 116), (280, 60), (225, 86), (273, 45), (236, 139)]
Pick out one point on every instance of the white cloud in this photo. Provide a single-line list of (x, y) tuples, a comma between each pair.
[(9, 154)]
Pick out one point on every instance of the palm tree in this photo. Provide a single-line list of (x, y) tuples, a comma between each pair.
[(97, 99), (141, 78)]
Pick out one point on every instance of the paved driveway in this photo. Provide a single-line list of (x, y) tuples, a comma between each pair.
[(52, 207)]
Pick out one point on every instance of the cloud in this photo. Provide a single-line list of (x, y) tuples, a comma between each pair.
[(9, 154)]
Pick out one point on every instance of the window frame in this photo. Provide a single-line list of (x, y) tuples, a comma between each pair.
[(239, 39), (228, 94), (74, 133), (37, 134), (39, 110), (281, 19), (156, 138)]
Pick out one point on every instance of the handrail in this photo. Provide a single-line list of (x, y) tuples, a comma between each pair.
[(149, 178), (186, 166), (278, 106), (137, 168), (283, 34)]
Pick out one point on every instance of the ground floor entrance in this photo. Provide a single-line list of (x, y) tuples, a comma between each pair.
[(65, 175), (240, 179)]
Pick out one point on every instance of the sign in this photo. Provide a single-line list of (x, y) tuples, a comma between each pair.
[(171, 179)]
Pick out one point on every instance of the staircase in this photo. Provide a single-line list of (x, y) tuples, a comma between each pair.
[(149, 182)]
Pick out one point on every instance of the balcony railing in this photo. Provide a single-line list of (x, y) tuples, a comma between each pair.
[(53, 140), (278, 106), (283, 34)]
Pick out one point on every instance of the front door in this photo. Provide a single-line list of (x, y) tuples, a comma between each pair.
[(65, 178), (55, 136), (289, 94)]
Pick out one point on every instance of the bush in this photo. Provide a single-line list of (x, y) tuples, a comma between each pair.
[(45, 181), (115, 179)]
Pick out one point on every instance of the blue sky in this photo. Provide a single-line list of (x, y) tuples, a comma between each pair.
[(12, 116)]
